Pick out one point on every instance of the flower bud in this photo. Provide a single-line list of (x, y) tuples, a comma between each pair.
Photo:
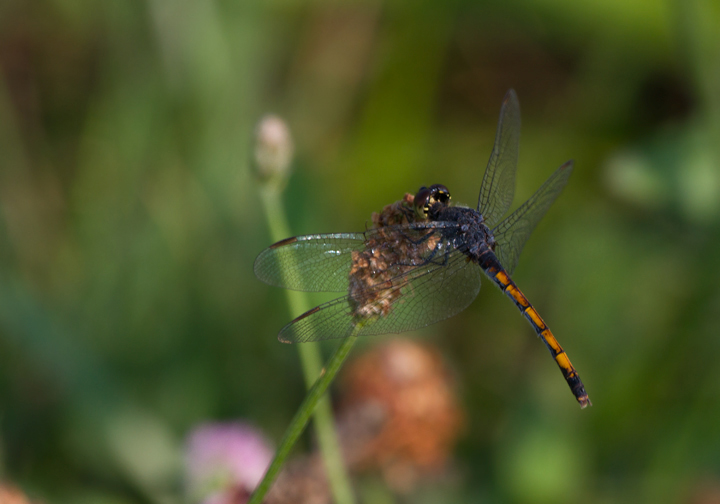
[(273, 148)]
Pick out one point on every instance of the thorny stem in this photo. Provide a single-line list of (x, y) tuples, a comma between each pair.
[(312, 365), (302, 416)]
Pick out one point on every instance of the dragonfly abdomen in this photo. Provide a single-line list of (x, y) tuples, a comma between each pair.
[(493, 269)]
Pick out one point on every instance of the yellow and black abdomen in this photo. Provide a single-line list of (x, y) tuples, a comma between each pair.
[(494, 270)]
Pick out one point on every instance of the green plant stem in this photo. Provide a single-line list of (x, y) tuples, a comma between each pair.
[(302, 416), (311, 362)]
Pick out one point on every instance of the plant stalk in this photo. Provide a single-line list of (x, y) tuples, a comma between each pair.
[(302, 417), (311, 363)]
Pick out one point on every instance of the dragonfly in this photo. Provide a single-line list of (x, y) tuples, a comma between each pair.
[(421, 261)]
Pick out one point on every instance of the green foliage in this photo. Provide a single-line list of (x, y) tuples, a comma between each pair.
[(130, 219)]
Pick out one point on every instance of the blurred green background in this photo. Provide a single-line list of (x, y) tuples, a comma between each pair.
[(130, 219)]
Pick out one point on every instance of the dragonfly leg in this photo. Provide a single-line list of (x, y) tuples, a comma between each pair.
[(430, 259), (422, 239)]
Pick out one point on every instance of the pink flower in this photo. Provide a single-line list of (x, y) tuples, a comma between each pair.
[(225, 458)]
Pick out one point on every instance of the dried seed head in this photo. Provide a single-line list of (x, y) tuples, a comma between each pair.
[(400, 413)]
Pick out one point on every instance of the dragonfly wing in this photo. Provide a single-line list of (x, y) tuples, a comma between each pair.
[(512, 233), (422, 295), (498, 185), (322, 262), (431, 294), (329, 320), (317, 263)]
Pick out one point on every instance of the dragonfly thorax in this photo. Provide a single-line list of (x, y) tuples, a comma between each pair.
[(470, 233)]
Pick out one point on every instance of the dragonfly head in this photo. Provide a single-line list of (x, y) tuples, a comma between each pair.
[(427, 197)]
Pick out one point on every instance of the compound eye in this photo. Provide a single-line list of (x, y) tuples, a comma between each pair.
[(440, 193), (422, 200)]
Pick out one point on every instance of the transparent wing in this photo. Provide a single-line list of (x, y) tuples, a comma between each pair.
[(498, 185), (422, 295), (322, 262), (317, 263), (512, 233)]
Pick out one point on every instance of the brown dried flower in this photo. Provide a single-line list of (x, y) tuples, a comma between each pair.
[(400, 414)]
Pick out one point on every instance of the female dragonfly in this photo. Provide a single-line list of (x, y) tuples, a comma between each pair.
[(420, 263)]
